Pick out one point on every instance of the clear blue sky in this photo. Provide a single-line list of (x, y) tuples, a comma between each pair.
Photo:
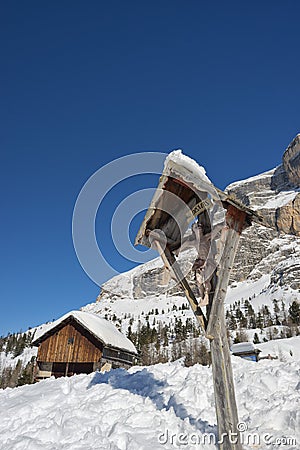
[(83, 83)]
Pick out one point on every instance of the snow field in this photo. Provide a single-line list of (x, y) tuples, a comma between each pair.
[(116, 410), (132, 410)]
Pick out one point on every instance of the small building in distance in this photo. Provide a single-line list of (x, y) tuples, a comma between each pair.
[(81, 342), (246, 350)]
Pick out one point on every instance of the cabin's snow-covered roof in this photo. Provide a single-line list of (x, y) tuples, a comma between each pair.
[(99, 327), (242, 347)]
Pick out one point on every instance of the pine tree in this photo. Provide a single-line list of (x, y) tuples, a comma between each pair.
[(6, 376), (267, 319), (241, 318), (129, 333), (259, 321), (165, 339), (232, 323), (20, 344), (179, 330), (2, 342), (241, 336), (252, 322), (294, 312), (188, 360), (256, 339), (248, 308), (282, 334), (203, 354), (13, 382), (276, 308), (26, 375)]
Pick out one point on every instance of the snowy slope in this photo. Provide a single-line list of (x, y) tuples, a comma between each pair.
[(128, 310), (10, 361), (260, 291), (141, 408), (266, 197)]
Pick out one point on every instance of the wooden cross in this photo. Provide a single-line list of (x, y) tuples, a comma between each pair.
[(162, 227)]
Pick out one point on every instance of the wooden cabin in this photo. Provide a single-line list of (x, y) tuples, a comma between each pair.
[(81, 342), (246, 350)]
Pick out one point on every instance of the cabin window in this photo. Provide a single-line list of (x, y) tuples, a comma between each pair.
[(71, 341), (45, 366), (117, 355)]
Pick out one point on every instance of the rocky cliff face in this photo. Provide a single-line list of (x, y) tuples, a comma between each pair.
[(150, 279), (262, 251), (276, 193), (287, 218), (291, 161)]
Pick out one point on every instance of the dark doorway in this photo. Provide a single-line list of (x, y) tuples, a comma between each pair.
[(59, 369)]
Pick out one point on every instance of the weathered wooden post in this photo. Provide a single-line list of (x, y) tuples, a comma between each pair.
[(183, 185), (226, 408)]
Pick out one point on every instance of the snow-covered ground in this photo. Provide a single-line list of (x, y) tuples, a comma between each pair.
[(165, 406)]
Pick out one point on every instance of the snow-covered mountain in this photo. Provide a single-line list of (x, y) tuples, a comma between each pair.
[(272, 251), (276, 193), (267, 262)]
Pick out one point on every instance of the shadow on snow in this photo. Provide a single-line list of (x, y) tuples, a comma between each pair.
[(144, 383)]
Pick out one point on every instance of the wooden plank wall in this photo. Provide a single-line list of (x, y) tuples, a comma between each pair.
[(56, 348)]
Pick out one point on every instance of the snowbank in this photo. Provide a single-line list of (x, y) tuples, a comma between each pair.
[(141, 409)]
